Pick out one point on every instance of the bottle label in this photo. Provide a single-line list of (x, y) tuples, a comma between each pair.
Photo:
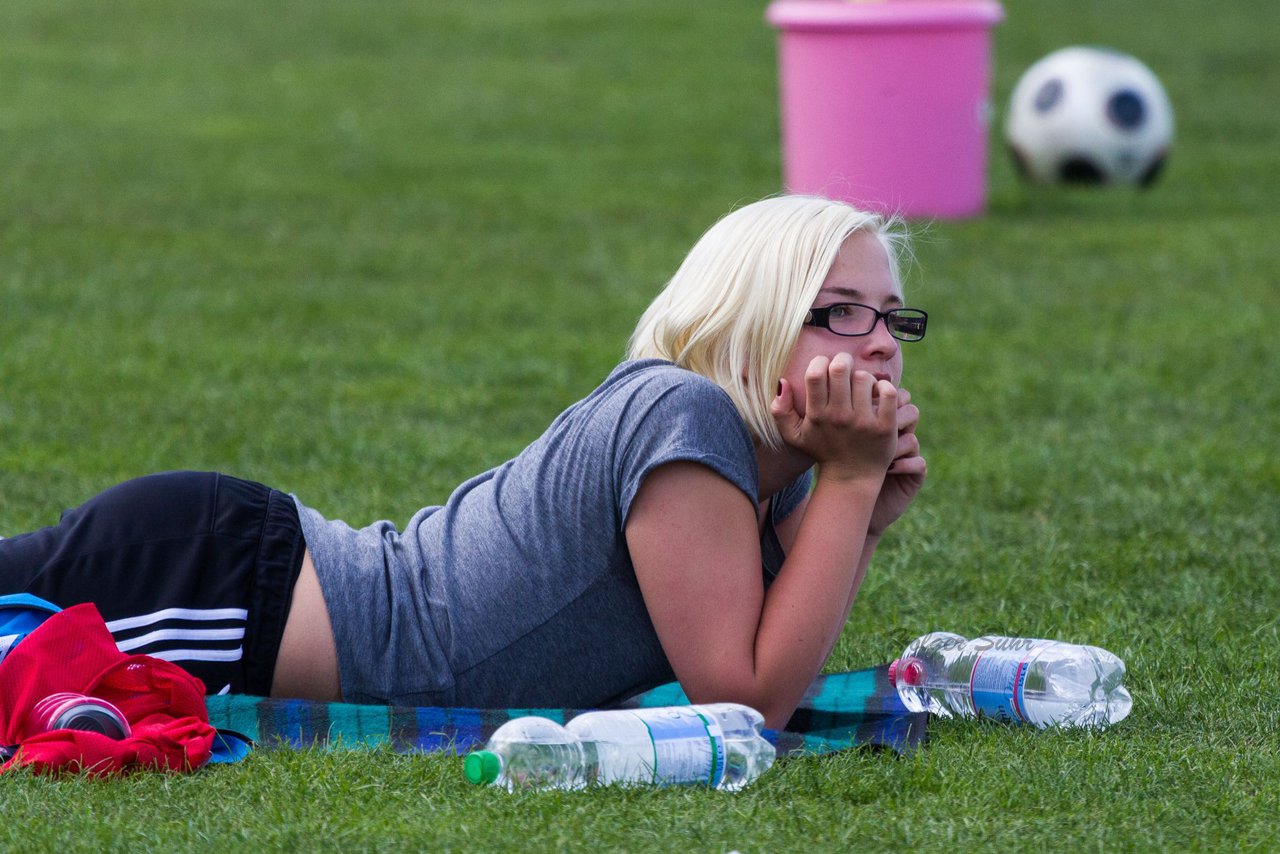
[(998, 678), (688, 746)]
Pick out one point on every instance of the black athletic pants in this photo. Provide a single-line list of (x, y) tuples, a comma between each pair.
[(193, 567)]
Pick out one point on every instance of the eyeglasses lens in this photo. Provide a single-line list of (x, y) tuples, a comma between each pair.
[(851, 319), (907, 324)]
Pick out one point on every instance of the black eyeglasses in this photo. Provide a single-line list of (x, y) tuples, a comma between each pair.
[(852, 319)]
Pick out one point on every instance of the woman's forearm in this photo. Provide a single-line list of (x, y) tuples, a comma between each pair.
[(868, 551), (806, 606)]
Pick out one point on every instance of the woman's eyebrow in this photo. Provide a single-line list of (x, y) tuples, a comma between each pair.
[(855, 295)]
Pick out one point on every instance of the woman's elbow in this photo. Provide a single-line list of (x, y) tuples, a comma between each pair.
[(776, 711)]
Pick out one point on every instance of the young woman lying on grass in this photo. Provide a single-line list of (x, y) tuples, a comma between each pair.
[(671, 524)]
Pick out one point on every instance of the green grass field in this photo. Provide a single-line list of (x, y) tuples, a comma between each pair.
[(360, 252)]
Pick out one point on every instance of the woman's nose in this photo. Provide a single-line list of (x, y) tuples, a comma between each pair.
[(879, 339)]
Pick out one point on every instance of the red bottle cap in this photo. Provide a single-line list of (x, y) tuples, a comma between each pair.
[(910, 671)]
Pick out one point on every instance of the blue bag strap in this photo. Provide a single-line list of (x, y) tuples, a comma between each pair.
[(229, 746), (20, 614)]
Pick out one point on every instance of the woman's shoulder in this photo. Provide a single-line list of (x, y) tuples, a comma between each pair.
[(658, 377), (671, 401), (655, 395), (656, 412), (657, 398)]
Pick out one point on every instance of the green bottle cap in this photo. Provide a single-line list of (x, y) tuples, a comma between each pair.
[(483, 767)]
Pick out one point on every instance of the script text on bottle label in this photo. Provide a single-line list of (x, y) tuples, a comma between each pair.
[(997, 682), (688, 747)]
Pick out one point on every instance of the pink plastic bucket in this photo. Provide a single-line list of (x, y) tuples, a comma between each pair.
[(886, 103)]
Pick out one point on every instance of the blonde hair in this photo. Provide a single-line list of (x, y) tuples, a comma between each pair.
[(734, 309)]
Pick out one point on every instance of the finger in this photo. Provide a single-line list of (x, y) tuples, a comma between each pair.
[(909, 466), (840, 383), (783, 410), (815, 384), (908, 418), (864, 392), (904, 397), (784, 400), (908, 446), (887, 411)]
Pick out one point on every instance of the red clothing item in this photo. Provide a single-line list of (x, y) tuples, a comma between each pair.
[(73, 651)]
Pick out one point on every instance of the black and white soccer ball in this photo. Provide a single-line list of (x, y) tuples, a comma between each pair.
[(1089, 115)]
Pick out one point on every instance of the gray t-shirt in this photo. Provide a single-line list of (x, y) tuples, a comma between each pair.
[(519, 591)]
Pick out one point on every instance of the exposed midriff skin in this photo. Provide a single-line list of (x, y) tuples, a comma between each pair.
[(307, 665)]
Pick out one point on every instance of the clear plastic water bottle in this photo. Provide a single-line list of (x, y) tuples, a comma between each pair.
[(718, 745), (1020, 680), (529, 753)]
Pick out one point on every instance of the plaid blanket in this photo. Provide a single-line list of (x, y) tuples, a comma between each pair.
[(839, 711)]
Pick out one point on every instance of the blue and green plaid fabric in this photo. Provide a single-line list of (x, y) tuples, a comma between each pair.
[(840, 710)]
